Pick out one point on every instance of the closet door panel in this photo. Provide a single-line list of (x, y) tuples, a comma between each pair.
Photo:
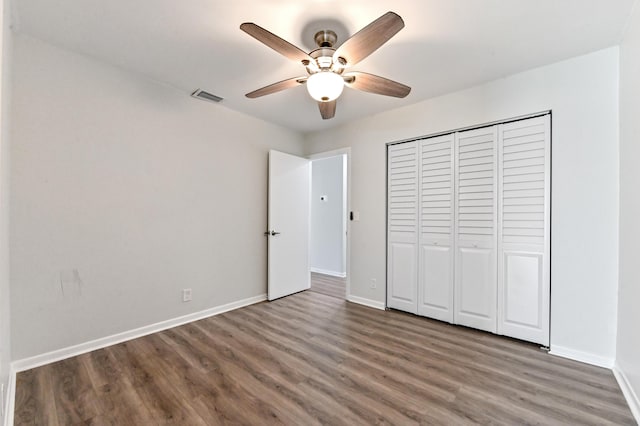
[(476, 228), (523, 234), (435, 273), (523, 289), (475, 302), (402, 227), (436, 283), (402, 276)]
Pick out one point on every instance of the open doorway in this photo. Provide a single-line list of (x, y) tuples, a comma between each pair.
[(329, 223)]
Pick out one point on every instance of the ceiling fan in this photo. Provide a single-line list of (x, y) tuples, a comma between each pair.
[(326, 66)]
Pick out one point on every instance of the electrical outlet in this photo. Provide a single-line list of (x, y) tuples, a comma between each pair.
[(186, 295), (374, 283)]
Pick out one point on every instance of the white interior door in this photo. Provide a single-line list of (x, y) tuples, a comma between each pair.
[(476, 226), (435, 274), (289, 219), (523, 234)]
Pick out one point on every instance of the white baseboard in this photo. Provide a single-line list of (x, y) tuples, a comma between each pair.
[(587, 358), (9, 404), (60, 354), (330, 273), (366, 302), (627, 390)]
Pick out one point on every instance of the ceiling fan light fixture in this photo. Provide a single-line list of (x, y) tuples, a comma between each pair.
[(326, 64), (325, 86)]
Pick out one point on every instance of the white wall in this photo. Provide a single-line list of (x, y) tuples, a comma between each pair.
[(136, 186), (5, 88), (583, 94), (327, 217), (628, 354)]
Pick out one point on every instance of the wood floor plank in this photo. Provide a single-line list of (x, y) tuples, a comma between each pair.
[(76, 401), (34, 395), (324, 376), (251, 383), (330, 286), (423, 390), (157, 394), (282, 363), (214, 391), (524, 371), (314, 358), (118, 402)]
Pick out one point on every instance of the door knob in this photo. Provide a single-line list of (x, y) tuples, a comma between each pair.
[(272, 233)]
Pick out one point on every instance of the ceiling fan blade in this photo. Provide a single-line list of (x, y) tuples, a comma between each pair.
[(375, 84), (327, 109), (276, 43), (277, 87), (368, 39)]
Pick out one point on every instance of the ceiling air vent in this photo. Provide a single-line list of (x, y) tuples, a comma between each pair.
[(206, 96)]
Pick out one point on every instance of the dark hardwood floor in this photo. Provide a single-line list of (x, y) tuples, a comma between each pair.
[(315, 359), (326, 284)]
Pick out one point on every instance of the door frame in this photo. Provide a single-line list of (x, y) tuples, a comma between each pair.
[(347, 225)]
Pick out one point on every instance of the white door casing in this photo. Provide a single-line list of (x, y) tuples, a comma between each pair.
[(289, 224)]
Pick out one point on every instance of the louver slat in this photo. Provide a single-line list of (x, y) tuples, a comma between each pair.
[(436, 160), (476, 165), (523, 149), (403, 189)]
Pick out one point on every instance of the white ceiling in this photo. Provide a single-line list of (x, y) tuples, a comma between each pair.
[(446, 45)]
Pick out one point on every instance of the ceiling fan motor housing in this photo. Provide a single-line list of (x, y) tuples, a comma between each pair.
[(323, 57), (325, 38)]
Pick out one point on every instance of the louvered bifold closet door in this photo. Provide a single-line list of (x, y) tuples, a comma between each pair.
[(523, 237), (476, 228), (435, 273), (402, 227)]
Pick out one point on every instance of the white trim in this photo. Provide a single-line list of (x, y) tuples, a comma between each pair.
[(11, 398), (60, 354), (627, 390), (10, 403), (330, 273), (328, 154), (366, 302), (473, 127), (587, 358)]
